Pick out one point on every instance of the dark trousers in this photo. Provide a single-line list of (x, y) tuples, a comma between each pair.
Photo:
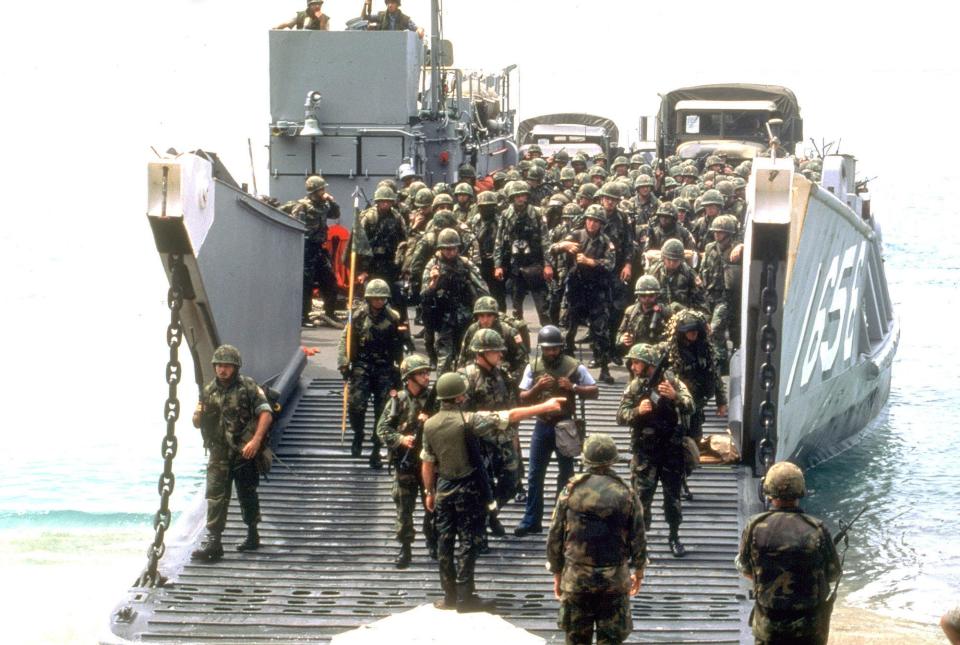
[(365, 380), (542, 445), (518, 292), (318, 271), (665, 466), (459, 516)]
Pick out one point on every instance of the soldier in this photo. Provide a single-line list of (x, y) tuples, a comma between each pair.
[(486, 316), (451, 284), (732, 204), (645, 202), (588, 299), (568, 178), (791, 560), (314, 210), (400, 429), (455, 485), (691, 358), (467, 174), (680, 286), (491, 387), (234, 416), (539, 190), (390, 20), (312, 18), (553, 374), (463, 209), (620, 231), (562, 262), (646, 320), (597, 549), (653, 411), (711, 202), (519, 253), (620, 167), (721, 277), (376, 350), (667, 228), (385, 229), (484, 224)]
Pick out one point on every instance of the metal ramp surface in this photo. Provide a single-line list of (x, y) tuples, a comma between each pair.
[(326, 562)]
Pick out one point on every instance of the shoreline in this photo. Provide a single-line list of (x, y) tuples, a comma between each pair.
[(851, 625)]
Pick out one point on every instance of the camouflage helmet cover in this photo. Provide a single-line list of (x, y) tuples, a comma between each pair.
[(384, 194), (451, 385), (724, 224), (587, 190), (485, 305), (597, 171), (647, 285), (620, 161), (536, 173), (518, 187), (463, 188), (599, 450), (784, 480), (442, 199), (595, 211), (726, 188), (644, 353), (227, 355), (315, 183), (412, 364), (466, 170), (487, 340), (377, 288), (487, 198), (672, 249), (448, 239), (667, 209), (643, 180), (712, 197), (610, 189), (568, 174), (572, 210), (423, 197)]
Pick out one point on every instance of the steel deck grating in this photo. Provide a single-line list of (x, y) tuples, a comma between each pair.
[(326, 562)]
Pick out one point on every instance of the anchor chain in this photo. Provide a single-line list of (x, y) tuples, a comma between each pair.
[(768, 370), (171, 412)]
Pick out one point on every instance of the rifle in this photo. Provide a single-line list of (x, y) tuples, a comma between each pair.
[(842, 536), (353, 269)]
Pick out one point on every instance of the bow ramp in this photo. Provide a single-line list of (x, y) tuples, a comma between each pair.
[(326, 565)]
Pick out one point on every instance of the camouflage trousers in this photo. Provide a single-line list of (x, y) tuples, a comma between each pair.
[(225, 467), (664, 465), (790, 627), (721, 325), (503, 465), (518, 293), (459, 516), (581, 614), (407, 487), (447, 342), (317, 270), (365, 380), (593, 312)]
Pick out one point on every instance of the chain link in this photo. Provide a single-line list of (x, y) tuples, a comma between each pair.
[(171, 412), (768, 370)]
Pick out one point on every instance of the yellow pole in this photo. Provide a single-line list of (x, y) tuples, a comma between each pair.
[(353, 267)]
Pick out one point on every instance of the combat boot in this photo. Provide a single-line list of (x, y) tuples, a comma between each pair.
[(252, 543), (676, 547), (496, 528), (375, 461), (402, 561), (211, 550), (356, 448), (605, 376), (469, 602)]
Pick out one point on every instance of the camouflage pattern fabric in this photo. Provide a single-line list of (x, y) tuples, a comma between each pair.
[(516, 356), (645, 326), (695, 365), (588, 297), (793, 562), (484, 226), (681, 288), (229, 421), (317, 268), (583, 614), (384, 232), (721, 280), (448, 306), (520, 250)]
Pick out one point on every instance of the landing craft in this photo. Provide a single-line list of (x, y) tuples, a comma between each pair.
[(812, 370)]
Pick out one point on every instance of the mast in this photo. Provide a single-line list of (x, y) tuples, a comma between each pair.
[(435, 38)]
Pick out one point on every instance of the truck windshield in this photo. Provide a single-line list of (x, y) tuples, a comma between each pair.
[(726, 125)]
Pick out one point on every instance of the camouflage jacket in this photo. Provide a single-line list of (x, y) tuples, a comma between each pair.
[(384, 233), (682, 287), (400, 419), (516, 356), (596, 536), (458, 287), (792, 560), (721, 277), (696, 366), (230, 412), (427, 245), (464, 215), (657, 236), (646, 210), (520, 240), (484, 229), (314, 215), (444, 442), (491, 390), (662, 429), (377, 339), (584, 281), (645, 326), (621, 233)]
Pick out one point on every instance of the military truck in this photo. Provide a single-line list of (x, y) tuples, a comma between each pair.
[(569, 131)]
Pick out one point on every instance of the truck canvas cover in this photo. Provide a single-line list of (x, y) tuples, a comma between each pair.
[(590, 120)]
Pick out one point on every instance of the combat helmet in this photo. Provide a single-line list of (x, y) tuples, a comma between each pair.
[(415, 186), (724, 224), (412, 364), (688, 170), (568, 174), (451, 385), (784, 480), (643, 180), (315, 183), (377, 288), (423, 197), (689, 320), (448, 239), (487, 198), (384, 194), (587, 190), (405, 170), (712, 197), (637, 160), (463, 188), (599, 450), (672, 249), (487, 340), (466, 171), (669, 182), (645, 353), (534, 148), (667, 209), (227, 355), (443, 199), (441, 187), (485, 305), (595, 211), (597, 171), (726, 188), (647, 285), (536, 173), (682, 204), (610, 189), (549, 336), (713, 160), (572, 210), (518, 187), (620, 161), (561, 156)]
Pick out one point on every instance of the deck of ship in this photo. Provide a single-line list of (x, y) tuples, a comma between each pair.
[(326, 562)]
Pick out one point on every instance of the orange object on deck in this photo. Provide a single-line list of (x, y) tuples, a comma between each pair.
[(338, 237), (482, 184)]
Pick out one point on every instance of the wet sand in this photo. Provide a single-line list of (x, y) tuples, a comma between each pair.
[(855, 626)]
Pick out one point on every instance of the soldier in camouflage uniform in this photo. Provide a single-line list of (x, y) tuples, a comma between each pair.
[(646, 320), (486, 316), (691, 358), (520, 252), (667, 228), (451, 284), (562, 262), (587, 299), (313, 18), (656, 436), (384, 229), (372, 364), (712, 203), (234, 417), (455, 492), (491, 387), (597, 549), (680, 286), (463, 208), (792, 561), (621, 232), (721, 278), (732, 205), (400, 428), (484, 225), (314, 210), (539, 189), (646, 203)]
